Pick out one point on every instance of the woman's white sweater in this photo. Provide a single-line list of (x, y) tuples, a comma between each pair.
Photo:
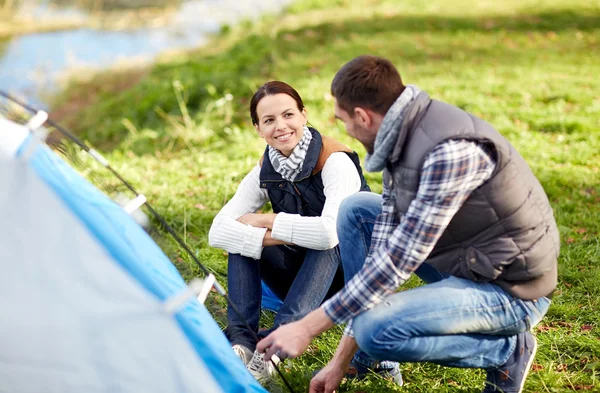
[(340, 179)]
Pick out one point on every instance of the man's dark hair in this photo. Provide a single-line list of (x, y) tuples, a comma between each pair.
[(369, 82)]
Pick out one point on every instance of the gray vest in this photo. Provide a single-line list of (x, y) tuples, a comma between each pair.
[(505, 232)]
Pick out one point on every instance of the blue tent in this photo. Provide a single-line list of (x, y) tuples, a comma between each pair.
[(83, 292)]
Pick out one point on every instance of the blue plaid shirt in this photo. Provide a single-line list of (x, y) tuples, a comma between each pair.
[(451, 171)]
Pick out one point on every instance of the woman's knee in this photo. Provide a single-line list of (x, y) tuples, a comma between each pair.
[(329, 257), (236, 258)]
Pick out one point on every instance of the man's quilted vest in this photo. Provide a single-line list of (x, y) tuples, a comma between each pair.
[(305, 195), (505, 232)]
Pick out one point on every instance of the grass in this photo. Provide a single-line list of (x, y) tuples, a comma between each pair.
[(181, 133)]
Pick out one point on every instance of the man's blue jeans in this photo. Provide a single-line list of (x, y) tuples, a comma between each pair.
[(303, 278), (450, 321)]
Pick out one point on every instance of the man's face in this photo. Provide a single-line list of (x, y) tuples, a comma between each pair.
[(355, 128)]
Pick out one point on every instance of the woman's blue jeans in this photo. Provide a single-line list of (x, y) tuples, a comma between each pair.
[(302, 277), (449, 321)]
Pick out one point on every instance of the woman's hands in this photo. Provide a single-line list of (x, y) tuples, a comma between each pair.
[(258, 220), (265, 220)]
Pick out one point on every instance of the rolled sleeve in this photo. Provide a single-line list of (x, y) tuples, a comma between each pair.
[(253, 242), (283, 227)]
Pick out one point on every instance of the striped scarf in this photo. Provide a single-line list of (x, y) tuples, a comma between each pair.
[(290, 167)]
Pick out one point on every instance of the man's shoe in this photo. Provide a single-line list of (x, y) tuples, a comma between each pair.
[(359, 371), (260, 369), (510, 377), (244, 353)]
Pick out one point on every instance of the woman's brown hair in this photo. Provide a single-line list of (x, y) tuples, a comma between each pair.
[(269, 89)]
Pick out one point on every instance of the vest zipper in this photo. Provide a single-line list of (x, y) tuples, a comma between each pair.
[(299, 196)]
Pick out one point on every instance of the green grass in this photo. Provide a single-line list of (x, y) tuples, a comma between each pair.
[(182, 135)]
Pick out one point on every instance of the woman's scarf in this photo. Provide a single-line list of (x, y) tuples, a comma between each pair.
[(290, 167)]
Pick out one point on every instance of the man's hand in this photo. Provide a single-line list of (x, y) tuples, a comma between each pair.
[(288, 341), (291, 340), (328, 379), (258, 220)]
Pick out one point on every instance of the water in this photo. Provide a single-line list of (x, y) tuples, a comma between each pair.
[(32, 64)]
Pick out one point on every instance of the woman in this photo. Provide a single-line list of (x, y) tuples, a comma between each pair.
[(293, 250)]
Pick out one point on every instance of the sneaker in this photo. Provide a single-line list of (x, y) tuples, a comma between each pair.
[(260, 369), (244, 353), (359, 371), (510, 377)]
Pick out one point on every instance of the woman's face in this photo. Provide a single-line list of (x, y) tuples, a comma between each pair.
[(280, 122)]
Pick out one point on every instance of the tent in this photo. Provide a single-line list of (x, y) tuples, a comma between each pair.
[(83, 291)]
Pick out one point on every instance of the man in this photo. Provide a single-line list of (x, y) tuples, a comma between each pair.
[(461, 206)]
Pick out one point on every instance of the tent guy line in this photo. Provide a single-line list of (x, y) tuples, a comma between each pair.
[(34, 124)]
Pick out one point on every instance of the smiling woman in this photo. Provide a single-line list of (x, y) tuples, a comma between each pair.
[(294, 250)]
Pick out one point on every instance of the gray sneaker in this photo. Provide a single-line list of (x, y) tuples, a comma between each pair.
[(262, 370), (358, 372), (244, 353)]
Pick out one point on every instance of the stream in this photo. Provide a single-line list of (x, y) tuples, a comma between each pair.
[(32, 64)]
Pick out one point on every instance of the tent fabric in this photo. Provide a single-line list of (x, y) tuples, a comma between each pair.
[(12, 136), (136, 255), (72, 319)]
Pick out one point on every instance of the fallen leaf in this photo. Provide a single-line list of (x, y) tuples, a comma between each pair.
[(586, 328), (570, 240), (537, 367), (581, 230), (583, 387), (545, 328), (561, 367), (563, 323), (200, 206)]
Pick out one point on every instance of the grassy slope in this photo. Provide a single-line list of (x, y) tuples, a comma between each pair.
[(182, 135)]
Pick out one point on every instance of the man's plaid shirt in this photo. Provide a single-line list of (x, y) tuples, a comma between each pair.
[(451, 171)]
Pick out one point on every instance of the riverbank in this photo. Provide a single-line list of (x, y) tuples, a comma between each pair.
[(180, 132), (31, 64), (11, 26)]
